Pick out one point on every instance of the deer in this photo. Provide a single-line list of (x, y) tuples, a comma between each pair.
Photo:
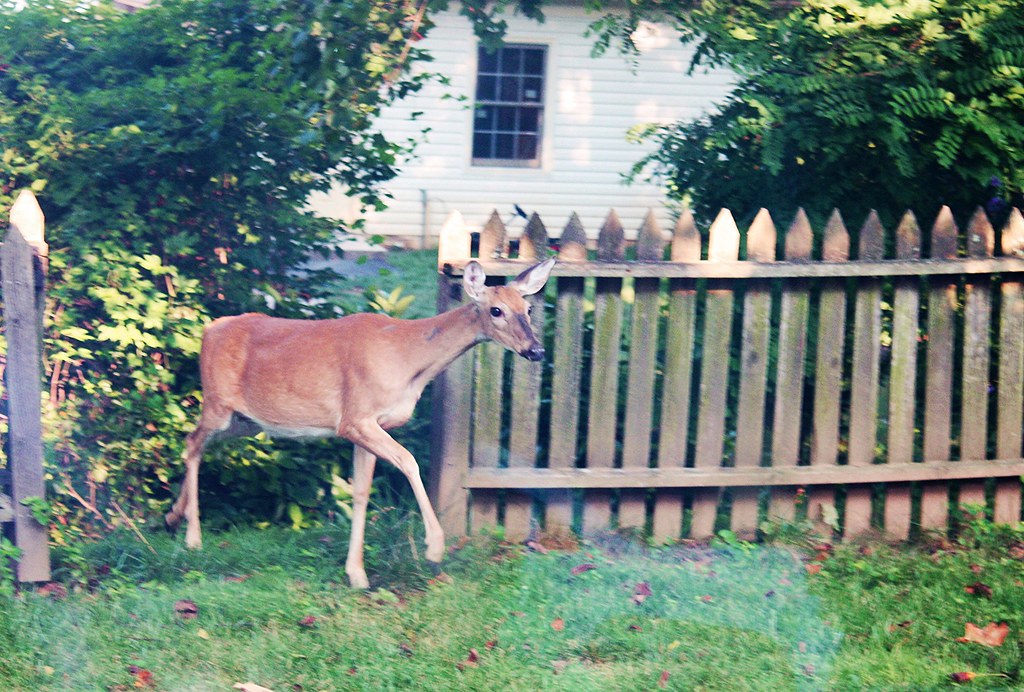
[(354, 377)]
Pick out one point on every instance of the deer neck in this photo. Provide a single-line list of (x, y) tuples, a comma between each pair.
[(446, 337)]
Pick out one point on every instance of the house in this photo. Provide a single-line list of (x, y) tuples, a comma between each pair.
[(539, 126)]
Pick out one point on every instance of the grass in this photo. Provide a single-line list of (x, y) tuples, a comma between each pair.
[(606, 614)]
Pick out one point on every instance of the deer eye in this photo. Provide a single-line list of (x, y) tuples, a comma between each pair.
[(495, 312)]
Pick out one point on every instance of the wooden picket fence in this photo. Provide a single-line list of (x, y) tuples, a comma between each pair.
[(719, 379)]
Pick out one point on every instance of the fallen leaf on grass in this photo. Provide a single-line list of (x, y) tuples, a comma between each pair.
[(580, 569), (640, 592), (978, 589), (308, 621), (54, 590), (900, 625), (963, 676), (536, 546), (491, 644), (559, 666), (143, 677), (663, 680), (250, 687), (237, 580), (405, 650), (558, 624), (813, 567), (989, 635), (186, 609)]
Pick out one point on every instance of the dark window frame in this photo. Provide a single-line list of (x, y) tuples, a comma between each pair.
[(509, 105)]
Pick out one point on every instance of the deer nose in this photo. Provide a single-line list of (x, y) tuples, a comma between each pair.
[(533, 353)]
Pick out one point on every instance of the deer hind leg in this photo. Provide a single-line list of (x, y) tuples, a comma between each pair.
[(212, 425), (363, 462), (376, 440)]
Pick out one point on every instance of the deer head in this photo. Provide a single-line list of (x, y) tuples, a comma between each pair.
[(504, 311)]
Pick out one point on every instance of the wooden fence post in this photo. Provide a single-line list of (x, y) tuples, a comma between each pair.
[(23, 266)]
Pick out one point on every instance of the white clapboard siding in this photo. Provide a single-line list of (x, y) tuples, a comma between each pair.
[(591, 103)]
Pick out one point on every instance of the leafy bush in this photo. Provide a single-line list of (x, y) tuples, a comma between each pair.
[(855, 104), (173, 150)]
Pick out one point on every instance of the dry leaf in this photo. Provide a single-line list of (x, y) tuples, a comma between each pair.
[(250, 687), (558, 624), (663, 680), (989, 635), (143, 677), (813, 568), (978, 589), (900, 625), (308, 621), (580, 569), (186, 609), (491, 644), (640, 592), (964, 676), (54, 590)]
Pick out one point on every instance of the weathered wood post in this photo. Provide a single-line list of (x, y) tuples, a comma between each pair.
[(24, 269)]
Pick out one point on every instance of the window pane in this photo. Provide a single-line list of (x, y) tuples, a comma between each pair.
[(486, 62), (506, 119), (533, 61), (511, 61), (528, 118), (526, 147), (484, 118), (486, 87), (532, 89), (482, 146), (504, 146), (509, 89)]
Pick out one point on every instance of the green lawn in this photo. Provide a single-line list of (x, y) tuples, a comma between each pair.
[(271, 608)]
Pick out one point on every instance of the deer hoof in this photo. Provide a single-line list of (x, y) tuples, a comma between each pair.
[(435, 567), (171, 524)]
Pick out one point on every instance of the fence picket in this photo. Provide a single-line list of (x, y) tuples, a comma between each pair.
[(675, 406), (975, 380), (723, 246), (789, 380), (526, 388), (902, 378), (566, 367), (937, 437), (750, 407), (643, 361), (488, 398), (604, 373), (1010, 389)]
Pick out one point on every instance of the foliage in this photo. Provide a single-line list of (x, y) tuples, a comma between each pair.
[(174, 193), (893, 104), (8, 553)]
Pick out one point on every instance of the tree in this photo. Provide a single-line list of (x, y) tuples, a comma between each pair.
[(174, 150), (856, 104)]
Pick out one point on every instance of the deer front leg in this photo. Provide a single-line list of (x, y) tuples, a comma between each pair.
[(187, 504), (362, 477), (376, 440)]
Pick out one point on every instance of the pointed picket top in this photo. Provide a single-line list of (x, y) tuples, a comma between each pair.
[(724, 238), (573, 241), (836, 244), (533, 244), (453, 242), (981, 237), (650, 243), (944, 235), (1013, 235), (908, 237), (872, 238), (685, 239), (611, 239), (762, 238), (492, 238), (27, 217), (799, 238)]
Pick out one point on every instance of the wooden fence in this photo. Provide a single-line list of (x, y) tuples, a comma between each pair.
[(23, 264), (871, 381)]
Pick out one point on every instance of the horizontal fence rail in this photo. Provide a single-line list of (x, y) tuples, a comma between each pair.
[(720, 379)]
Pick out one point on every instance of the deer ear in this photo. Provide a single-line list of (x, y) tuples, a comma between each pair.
[(534, 278), (473, 281)]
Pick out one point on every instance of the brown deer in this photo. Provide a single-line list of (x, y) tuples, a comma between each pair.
[(355, 377)]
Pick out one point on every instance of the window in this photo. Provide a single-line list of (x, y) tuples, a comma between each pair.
[(509, 106)]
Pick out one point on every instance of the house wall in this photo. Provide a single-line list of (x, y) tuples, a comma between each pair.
[(590, 105)]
